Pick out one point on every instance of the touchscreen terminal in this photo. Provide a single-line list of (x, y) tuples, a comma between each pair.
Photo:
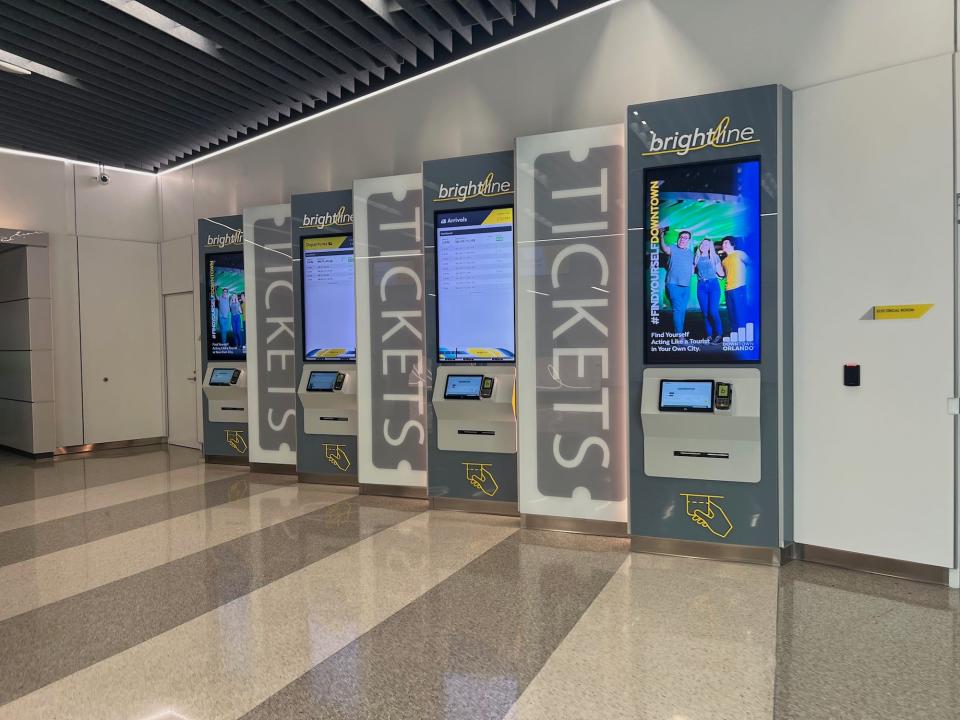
[(221, 376), (463, 387), (686, 395), (321, 381)]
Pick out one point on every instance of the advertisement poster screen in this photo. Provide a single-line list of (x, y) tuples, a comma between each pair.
[(702, 265), (227, 305), (475, 286), (329, 304)]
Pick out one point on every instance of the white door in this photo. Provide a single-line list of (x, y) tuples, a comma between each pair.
[(121, 337), (181, 370)]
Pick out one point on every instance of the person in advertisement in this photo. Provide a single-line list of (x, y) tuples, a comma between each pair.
[(709, 270), (679, 272)]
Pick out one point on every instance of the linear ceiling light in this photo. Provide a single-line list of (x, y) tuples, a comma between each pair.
[(13, 69), (161, 22), (394, 86), (21, 66)]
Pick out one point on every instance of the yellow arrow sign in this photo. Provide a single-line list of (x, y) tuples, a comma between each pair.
[(900, 312)]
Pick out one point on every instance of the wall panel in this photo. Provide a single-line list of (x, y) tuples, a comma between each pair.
[(874, 226)]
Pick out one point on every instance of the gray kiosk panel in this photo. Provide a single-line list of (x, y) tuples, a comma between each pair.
[(712, 444), (475, 409)]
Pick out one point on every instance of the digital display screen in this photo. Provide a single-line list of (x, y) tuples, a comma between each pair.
[(329, 303), (702, 263), (321, 381), (221, 376), (460, 387), (227, 307), (475, 286), (686, 395)]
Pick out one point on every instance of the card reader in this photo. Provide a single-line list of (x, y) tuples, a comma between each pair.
[(722, 396)]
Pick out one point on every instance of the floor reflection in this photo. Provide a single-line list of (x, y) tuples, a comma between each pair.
[(853, 645)]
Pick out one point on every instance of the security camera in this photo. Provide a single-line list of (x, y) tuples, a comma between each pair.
[(103, 179)]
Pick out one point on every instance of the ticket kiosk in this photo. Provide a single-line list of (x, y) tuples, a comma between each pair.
[(710, 297), (326, 337), (471, 333), (224, 344)]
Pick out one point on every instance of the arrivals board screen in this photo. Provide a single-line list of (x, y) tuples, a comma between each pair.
[(329, 303), (702, 262), (475, 286), (226, 307)]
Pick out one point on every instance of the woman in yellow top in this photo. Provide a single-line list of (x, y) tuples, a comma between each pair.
[(735, 268)]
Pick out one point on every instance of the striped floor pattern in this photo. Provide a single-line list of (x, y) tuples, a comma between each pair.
[(143, 584)]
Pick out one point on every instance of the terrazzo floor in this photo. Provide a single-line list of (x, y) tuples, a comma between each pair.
[(143, 584)]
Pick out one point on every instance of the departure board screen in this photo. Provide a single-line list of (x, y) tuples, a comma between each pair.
[(329, 303)]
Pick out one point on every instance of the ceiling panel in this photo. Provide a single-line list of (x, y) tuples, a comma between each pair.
[(149, 84)]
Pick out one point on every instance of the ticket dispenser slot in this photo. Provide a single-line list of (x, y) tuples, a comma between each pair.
[(701, 423), (328, 397), (475, 409), (225, 385)]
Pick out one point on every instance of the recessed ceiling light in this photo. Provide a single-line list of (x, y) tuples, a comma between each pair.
[(21, 64), (161, 22), (13, 69)]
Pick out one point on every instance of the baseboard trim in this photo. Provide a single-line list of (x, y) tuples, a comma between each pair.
[(26, 453), (607, 528), (875, 565), (324, 479), (273, 468), (115, 445), (487, 507), (401, 491), (708, 550)]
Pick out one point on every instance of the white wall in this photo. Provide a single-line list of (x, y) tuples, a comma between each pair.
[(874, 226), (64, 200)]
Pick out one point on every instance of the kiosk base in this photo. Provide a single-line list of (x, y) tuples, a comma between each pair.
[(225, 460), (324, 479), (711, 551), (273, 469), (486, 507), (401, 491), (607, 528)]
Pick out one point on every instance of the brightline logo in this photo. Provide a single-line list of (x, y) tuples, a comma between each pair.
[(221, 241), (486, 188), (319, 222), (722, 136)]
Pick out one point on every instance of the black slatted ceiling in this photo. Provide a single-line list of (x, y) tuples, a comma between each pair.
[(144, 99)]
